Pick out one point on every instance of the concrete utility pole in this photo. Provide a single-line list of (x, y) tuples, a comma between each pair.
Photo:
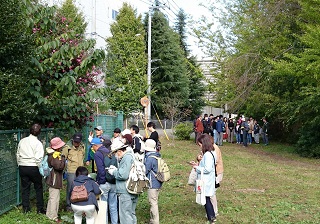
[(148, 108)]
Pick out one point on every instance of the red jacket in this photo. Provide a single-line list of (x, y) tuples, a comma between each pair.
[(199, 126)]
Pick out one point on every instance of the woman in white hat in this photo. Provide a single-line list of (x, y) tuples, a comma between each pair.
[(151, 164)]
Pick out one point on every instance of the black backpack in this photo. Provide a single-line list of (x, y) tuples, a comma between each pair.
[(110, 159)]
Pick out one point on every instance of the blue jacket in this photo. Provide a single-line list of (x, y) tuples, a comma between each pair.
[(92, 188), (219, 125), (99, 160), (152, 168)]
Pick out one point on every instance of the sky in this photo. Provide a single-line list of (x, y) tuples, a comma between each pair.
[(191, 7)]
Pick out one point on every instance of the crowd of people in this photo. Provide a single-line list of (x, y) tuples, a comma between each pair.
[(243, 131), (111, 160)]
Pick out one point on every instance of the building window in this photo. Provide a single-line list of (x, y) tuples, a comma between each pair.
[(114, 14)]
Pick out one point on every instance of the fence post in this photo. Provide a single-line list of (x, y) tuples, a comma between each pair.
[(18, 174)]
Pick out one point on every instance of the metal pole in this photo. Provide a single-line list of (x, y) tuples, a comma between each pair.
[(148, 112)]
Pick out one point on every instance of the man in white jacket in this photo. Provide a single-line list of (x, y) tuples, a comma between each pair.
[(29, 155)]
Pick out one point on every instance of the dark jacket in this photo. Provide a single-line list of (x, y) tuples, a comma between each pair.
[(152, 168), (219, 125), (92, 189), (154, 135), (99, 160), (54, 180)]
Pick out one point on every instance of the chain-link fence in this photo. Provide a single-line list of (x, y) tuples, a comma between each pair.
[(10, 192)]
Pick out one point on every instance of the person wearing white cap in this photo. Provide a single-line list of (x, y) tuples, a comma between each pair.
[(151, 164), (90, 155), (127, 202)]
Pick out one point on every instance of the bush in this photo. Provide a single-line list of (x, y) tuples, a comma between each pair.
[(308, 143), (183, 130)]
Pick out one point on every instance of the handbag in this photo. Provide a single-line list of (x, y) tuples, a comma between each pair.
[(192, 177), (200, 197), (101, 215), (215, 171)]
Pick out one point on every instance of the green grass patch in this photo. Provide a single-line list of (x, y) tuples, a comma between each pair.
[(261, 184)]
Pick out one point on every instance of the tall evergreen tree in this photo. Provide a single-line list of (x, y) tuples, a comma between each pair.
[(126, 80), (169, 77), (15, 53), (196, 78)]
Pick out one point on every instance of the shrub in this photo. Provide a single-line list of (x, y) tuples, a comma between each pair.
[(308, 143), (183, 130)]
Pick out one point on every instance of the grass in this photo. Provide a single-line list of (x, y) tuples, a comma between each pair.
[(262, 184)]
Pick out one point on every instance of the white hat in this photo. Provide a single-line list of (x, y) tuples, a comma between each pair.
[(125, 131), (150, 145), (117, 144)]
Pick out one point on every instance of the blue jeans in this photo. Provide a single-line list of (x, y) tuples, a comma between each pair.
[(238, 137), (216, 136), (70, 179), (249, 138), (265, 138), (109, 195), (127, 208), (245, 134), (209, 209)]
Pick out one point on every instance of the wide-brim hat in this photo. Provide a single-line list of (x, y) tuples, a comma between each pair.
[(117, 145), (56, 143), (150, 145), (126, 132)]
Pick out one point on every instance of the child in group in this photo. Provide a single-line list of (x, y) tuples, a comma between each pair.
[(57, 162), (91, 205)]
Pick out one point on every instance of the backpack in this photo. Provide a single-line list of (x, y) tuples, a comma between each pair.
[(163, 173), (108, 161), (137, 181), (44, 168), (158, 146), (143, 145), (79, 193)]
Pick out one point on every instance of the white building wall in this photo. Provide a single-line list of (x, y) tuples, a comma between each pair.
[(100, 14)]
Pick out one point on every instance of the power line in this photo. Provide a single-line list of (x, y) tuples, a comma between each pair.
[(148, 3)]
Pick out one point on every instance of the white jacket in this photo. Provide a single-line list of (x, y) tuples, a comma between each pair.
[(30, 151)]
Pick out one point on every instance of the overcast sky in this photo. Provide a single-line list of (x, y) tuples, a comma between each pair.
[(191, 7)]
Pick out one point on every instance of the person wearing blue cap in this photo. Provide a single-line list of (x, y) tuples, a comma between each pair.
[(90, 155), (103, 179)]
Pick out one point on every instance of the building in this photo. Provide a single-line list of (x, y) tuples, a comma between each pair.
[(100, 14)]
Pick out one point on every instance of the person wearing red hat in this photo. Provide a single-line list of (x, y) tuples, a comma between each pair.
[(57, 161)]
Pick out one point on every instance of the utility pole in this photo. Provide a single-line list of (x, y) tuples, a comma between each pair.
[(148, 108)]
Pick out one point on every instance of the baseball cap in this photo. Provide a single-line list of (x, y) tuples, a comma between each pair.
[(77, 137), (99, 128), (95, 141)]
